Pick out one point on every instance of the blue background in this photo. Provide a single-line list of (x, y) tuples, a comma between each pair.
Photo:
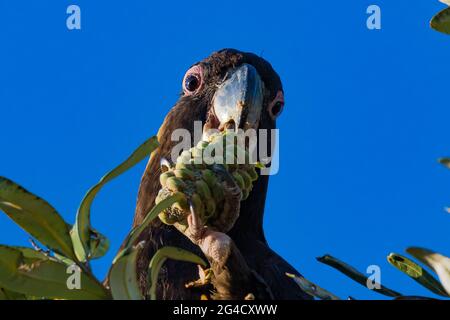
[(366, 117)]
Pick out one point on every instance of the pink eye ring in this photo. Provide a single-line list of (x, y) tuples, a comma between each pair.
[(193, 80), (276, 106)]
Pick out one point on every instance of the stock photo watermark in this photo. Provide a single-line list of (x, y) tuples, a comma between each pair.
[(239, 146), (73, 21), (74, 279), (374, 279), (374, 20)]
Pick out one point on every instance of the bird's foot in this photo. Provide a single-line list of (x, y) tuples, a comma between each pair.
[(216, 246), (204, 278)]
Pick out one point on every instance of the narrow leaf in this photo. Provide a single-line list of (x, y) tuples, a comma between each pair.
[(6, 294), (441, 22), (439, 263), (312, 289), (98, 244), (445, 162), (123, 275), (35, 216), (157, 209), (417, 273), (161, 256), (81, 229), (354, 274), (43, 277)]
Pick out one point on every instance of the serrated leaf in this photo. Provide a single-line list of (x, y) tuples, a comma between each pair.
[(40, 276), (441, 21), (29, 256), (312, 289), (123, 275), (81, 229), (417, 273), (161, 256), (354, 274), (35, 216), (437, 262)]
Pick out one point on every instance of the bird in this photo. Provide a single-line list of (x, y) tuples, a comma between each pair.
[(242, 263)]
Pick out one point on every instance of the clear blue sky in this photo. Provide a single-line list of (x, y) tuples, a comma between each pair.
[(366, 117)]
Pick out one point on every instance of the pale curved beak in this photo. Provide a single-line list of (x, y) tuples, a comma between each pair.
[(238, 101)]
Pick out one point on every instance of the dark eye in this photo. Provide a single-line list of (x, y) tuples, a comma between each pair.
[(276, 107), (192, 82), (193, 79)]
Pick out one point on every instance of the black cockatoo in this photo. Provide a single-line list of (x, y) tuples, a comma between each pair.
[(243, 265)]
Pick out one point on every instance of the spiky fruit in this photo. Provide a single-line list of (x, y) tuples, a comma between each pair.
[(209, 181)]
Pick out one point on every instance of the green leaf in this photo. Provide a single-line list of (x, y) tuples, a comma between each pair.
[(11, 295), (98, 244), (123, 275), (417, 273), (30, 256), (445, 162), (441, 21), (34, 274), (312, 289), (354, 274), (81, 229), (157, 209), (439, 263), (35, 216), (161, 256)]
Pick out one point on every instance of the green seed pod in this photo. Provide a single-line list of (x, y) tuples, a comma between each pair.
[(184, 174), (164, 176), (160, 196), (239, 180), (209, 177), (175, 184), (247, 179), (198, 205), (197, 153), (202, 144), (186, 165), (252, 172), (245, 194), (242, 155), (216, 149), (203, 189), (218, 192), (210, 205), (230, 155), (181, 204), (184, 157), (168, 218)]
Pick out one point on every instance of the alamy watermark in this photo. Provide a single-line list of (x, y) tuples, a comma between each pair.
[(73, 21), (374, 279), (74, 280), (374, 20), (261, 146)]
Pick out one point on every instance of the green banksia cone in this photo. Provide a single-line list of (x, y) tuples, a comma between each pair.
[(207, 187)]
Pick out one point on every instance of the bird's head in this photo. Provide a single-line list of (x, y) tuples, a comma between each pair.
[(229, 89), (233, 89)]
